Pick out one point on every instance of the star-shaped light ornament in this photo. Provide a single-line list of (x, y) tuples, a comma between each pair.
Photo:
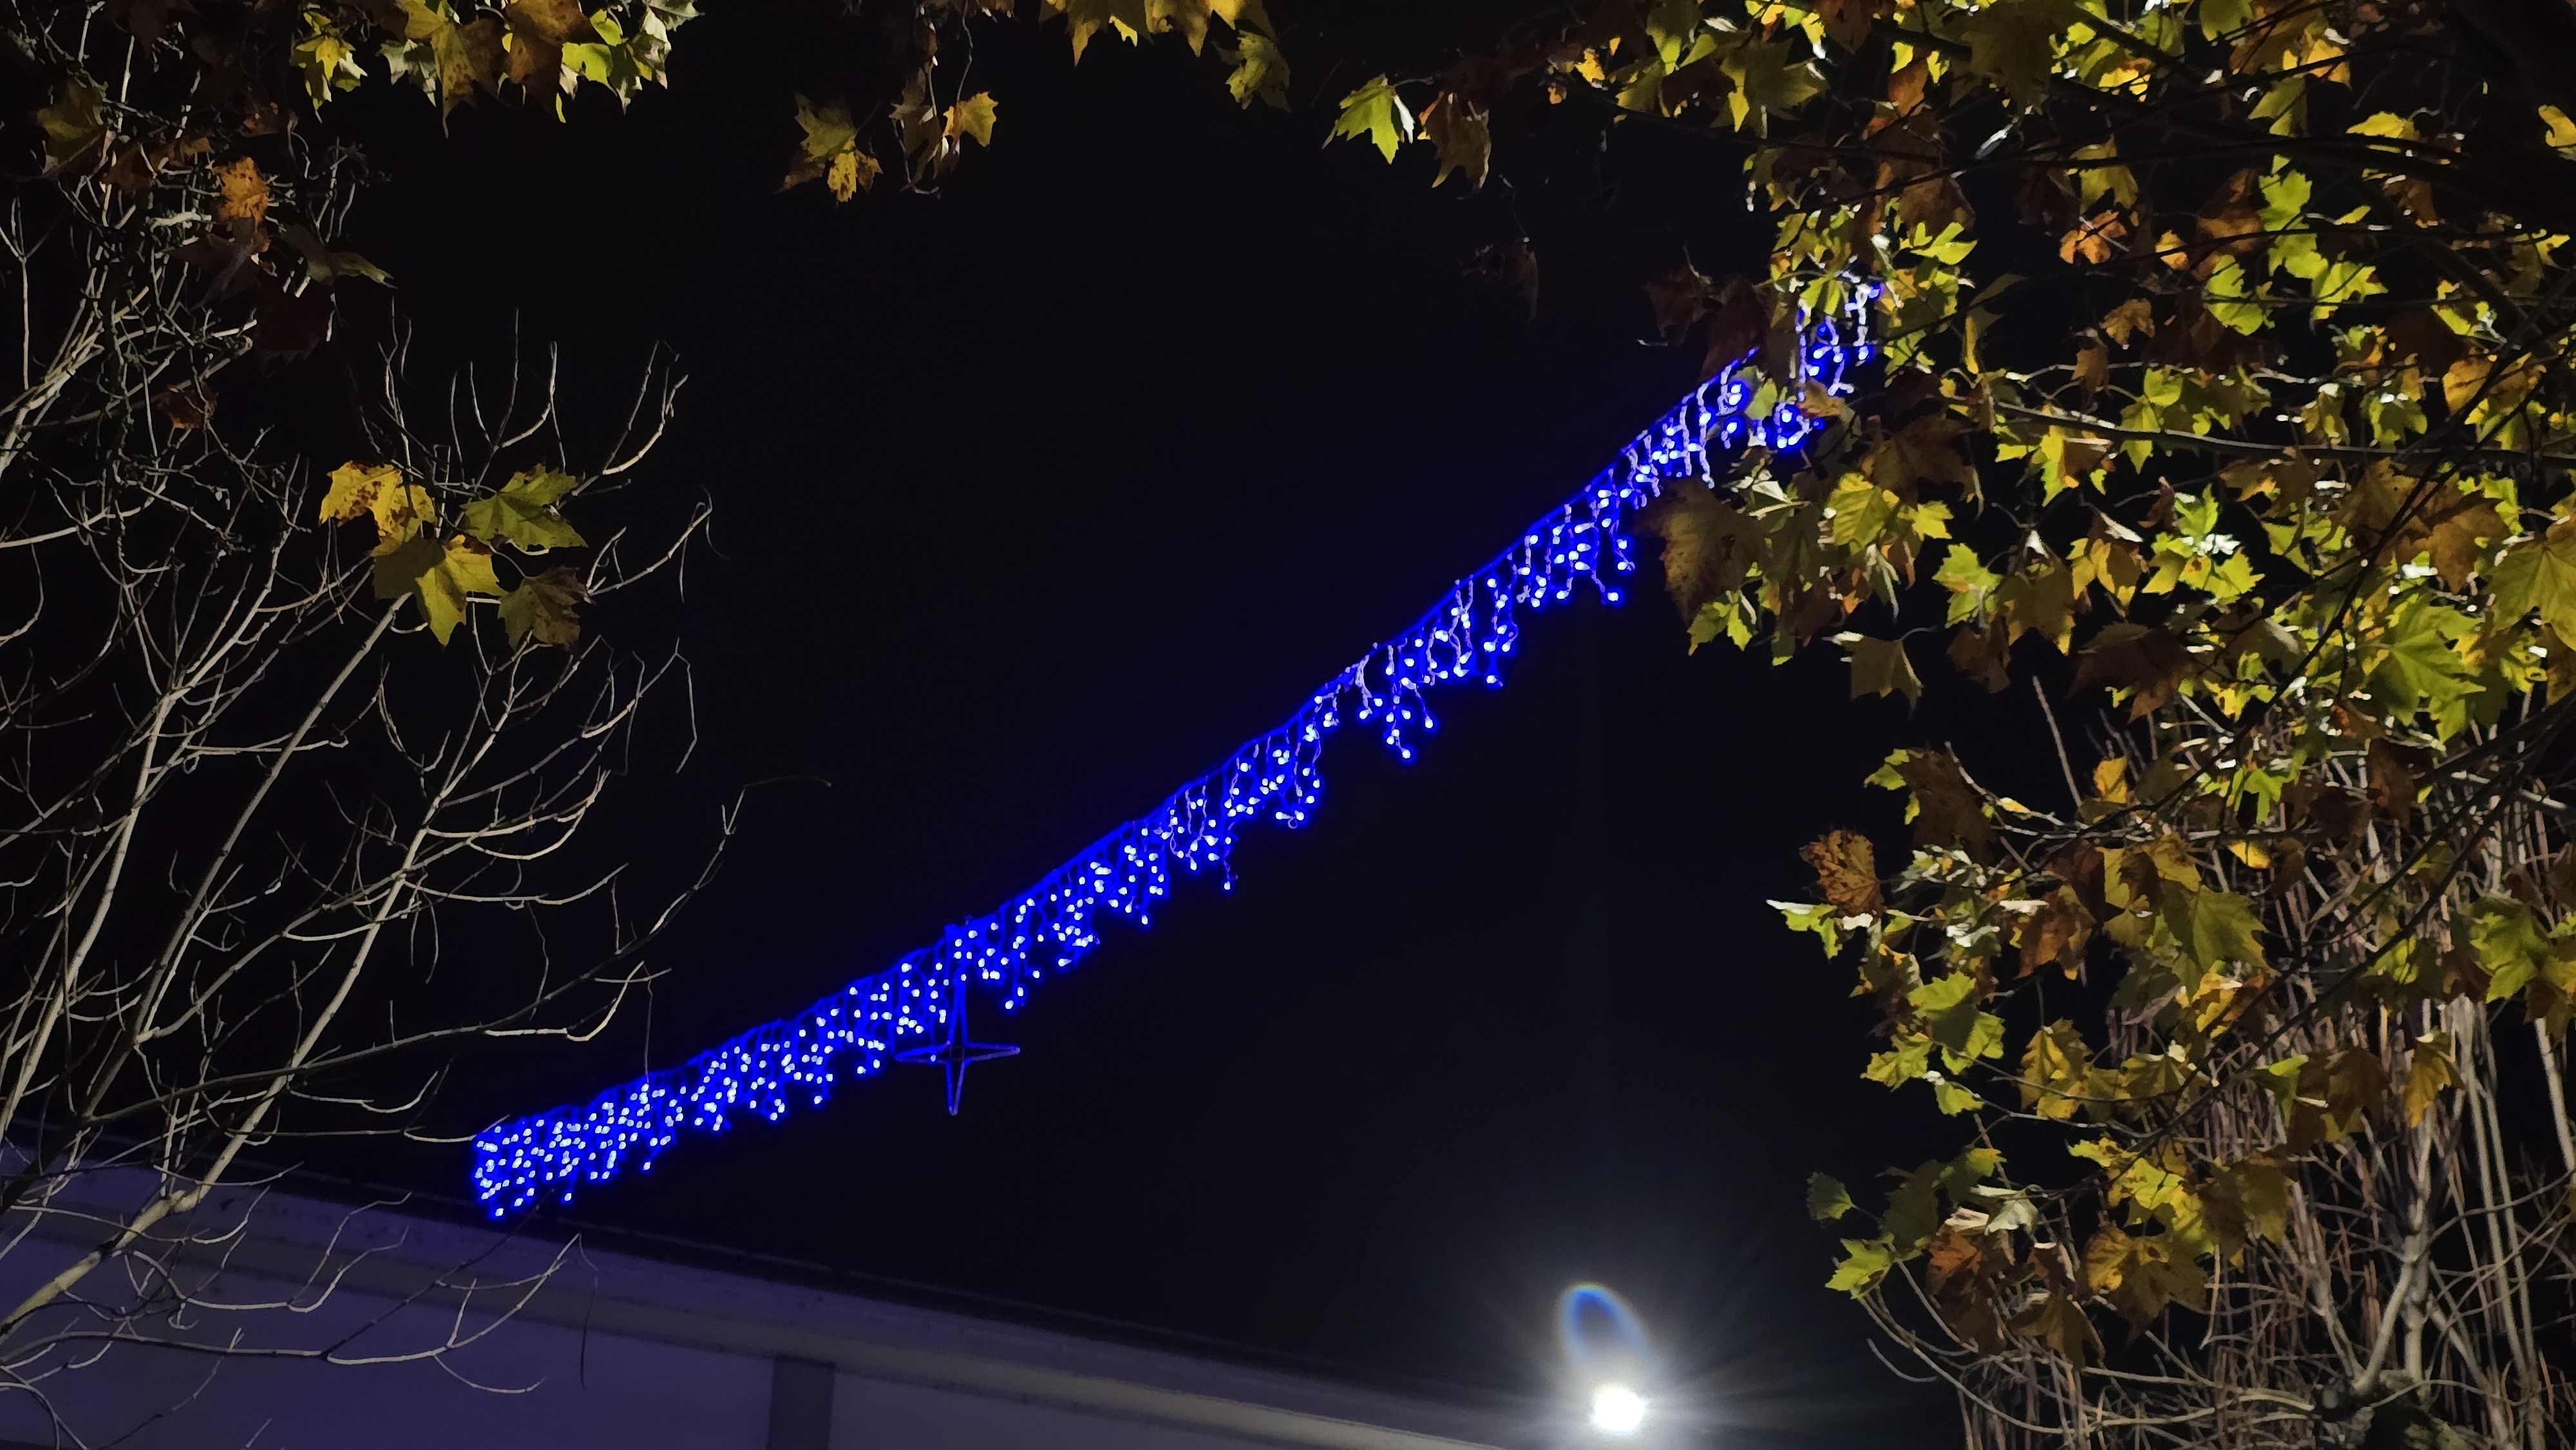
[(953, 1055)]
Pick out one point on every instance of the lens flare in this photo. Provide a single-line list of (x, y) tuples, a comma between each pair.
[(1606, 1349), (1618, 1410), (1599, 1331)]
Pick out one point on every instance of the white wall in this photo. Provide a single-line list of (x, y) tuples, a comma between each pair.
[(627, 1353)]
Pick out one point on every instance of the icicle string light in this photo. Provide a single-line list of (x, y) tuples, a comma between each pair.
[(1469, 635)]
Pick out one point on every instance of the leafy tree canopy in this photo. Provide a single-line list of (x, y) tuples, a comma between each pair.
[(2225, 398)]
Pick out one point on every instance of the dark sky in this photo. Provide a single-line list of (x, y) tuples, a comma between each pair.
[(1031, 501)]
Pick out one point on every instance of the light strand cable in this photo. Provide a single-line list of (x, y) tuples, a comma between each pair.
[(1468, 635)]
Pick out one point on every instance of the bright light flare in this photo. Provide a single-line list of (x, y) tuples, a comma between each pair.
[(1618, 1410)]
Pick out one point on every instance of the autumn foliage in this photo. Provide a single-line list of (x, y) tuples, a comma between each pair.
[(2225, 401), (2223, 424)]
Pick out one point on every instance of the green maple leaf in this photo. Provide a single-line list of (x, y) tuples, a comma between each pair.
[(2224, 17), (1260, 72), (1676, 28), (1766, 81), (2215, 927), (2281, 1079), (828, 129), (322, 264), (523, 512), (1950, 1015), (2541, 574), (1860, 511), (1374, 113), (1969, 581), (2509, 945), (1880, 667), (2421, 668), (2233, 300), (2012, 45), (2285, 199), (1827, 1199), (1864, 1263), (75, 128)]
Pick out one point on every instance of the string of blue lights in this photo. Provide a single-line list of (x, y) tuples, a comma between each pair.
[(921, 1000)]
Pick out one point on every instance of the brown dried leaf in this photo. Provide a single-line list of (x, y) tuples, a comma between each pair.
[(2056, 933), (184, 406), (2395, 770), (291, 324), (2092, 366), (2140, 657), (2059, 1323), (1847, 22), (1983, 654), (480, 58), (1923, 451), (2093, 240), (1846, 872), (1708, 543), (1679, 298), (1460, 138), (2130, 318), (1737, 324), (1510, 265), (1905, 87), (2233, 217), (1948, 810), (539, 30)]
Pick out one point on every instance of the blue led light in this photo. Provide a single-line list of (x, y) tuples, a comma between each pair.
[(915, 1010)]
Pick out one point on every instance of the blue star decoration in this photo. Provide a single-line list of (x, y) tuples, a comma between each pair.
[(953, 1055)]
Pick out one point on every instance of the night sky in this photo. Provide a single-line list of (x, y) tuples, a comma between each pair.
[(1032, 500)]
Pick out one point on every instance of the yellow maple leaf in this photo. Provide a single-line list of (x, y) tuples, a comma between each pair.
[(848, 172), (441, 576), (2428, 1072), (1189, 17), (972, 118), (1244, 15), (353, 489), (2561, 136), (1086, 18), (243, 194)]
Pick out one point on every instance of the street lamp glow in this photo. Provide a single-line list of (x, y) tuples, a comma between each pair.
[(1618, 1410)]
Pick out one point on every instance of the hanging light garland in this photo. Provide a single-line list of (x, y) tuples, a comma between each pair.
[(915, 1010)]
